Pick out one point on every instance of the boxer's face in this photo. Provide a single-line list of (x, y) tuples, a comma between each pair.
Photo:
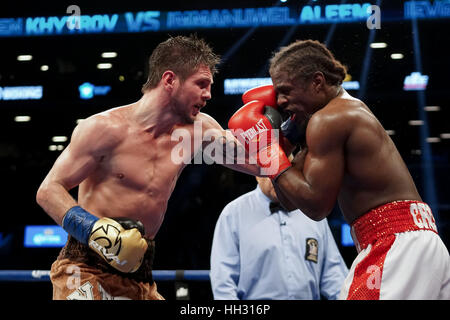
[(296, 98), (192, 94)]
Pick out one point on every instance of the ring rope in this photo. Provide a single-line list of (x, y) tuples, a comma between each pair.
[(158, 275)]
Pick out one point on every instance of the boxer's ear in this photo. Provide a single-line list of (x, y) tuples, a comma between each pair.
[(168, 79), (318, 81)]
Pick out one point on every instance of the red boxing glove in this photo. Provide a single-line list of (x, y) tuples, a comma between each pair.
[(264, 93), (267, 94), (253, 125)]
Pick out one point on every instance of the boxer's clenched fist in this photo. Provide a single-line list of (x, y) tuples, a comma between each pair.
[(252, 124), (122, 248)]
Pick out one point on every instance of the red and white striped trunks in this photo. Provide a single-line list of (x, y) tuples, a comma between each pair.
[(400, 255)]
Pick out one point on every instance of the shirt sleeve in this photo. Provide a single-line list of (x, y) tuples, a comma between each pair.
[(225, 260), (334, 268)]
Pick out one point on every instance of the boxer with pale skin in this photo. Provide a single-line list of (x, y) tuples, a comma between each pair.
[(122, 157), (122, 161)]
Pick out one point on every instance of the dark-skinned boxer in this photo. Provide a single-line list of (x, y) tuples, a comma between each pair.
[(348, 157)]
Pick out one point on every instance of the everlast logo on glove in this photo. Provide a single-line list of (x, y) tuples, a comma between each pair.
[(257, 129), (256, 119)]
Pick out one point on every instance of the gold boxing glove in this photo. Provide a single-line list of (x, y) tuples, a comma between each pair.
[(122, 249)]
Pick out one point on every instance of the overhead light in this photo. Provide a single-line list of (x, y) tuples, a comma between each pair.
[(378, 45), (59, 139), (390, 132), (432, 108), (44, 67), (415, 122), (109, 54), (24, 57), (22, 118), (121, 78), (445, 135), (433, 139), (55, 147), (104, 66), (397, 56), (417, 152)]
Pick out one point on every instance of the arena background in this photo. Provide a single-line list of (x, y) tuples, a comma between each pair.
[(184, 240)]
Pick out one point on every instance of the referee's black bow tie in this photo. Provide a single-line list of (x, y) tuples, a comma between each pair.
[(275, 206)]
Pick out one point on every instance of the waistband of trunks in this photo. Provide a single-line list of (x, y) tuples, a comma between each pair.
[(78, 252), (391, 218)]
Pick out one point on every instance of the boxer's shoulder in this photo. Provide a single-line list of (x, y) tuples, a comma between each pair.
[(325, 130), (111, 118), (344, 112), (208, 122), (107, 128), (336, 121), (206, 119), (114, 118), (337, 113), (344, 105)]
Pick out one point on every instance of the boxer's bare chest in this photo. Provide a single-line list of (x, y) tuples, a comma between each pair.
[(134, 179), (144, 162)]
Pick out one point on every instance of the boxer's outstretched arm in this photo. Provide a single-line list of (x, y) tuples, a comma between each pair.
[(234, 153), (312, 184), (76, 162)]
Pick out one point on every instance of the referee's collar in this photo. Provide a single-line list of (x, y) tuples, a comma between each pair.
[(266, 201), (262, 195)]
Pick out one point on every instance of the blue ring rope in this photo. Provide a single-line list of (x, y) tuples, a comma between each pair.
[(158, 275)]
